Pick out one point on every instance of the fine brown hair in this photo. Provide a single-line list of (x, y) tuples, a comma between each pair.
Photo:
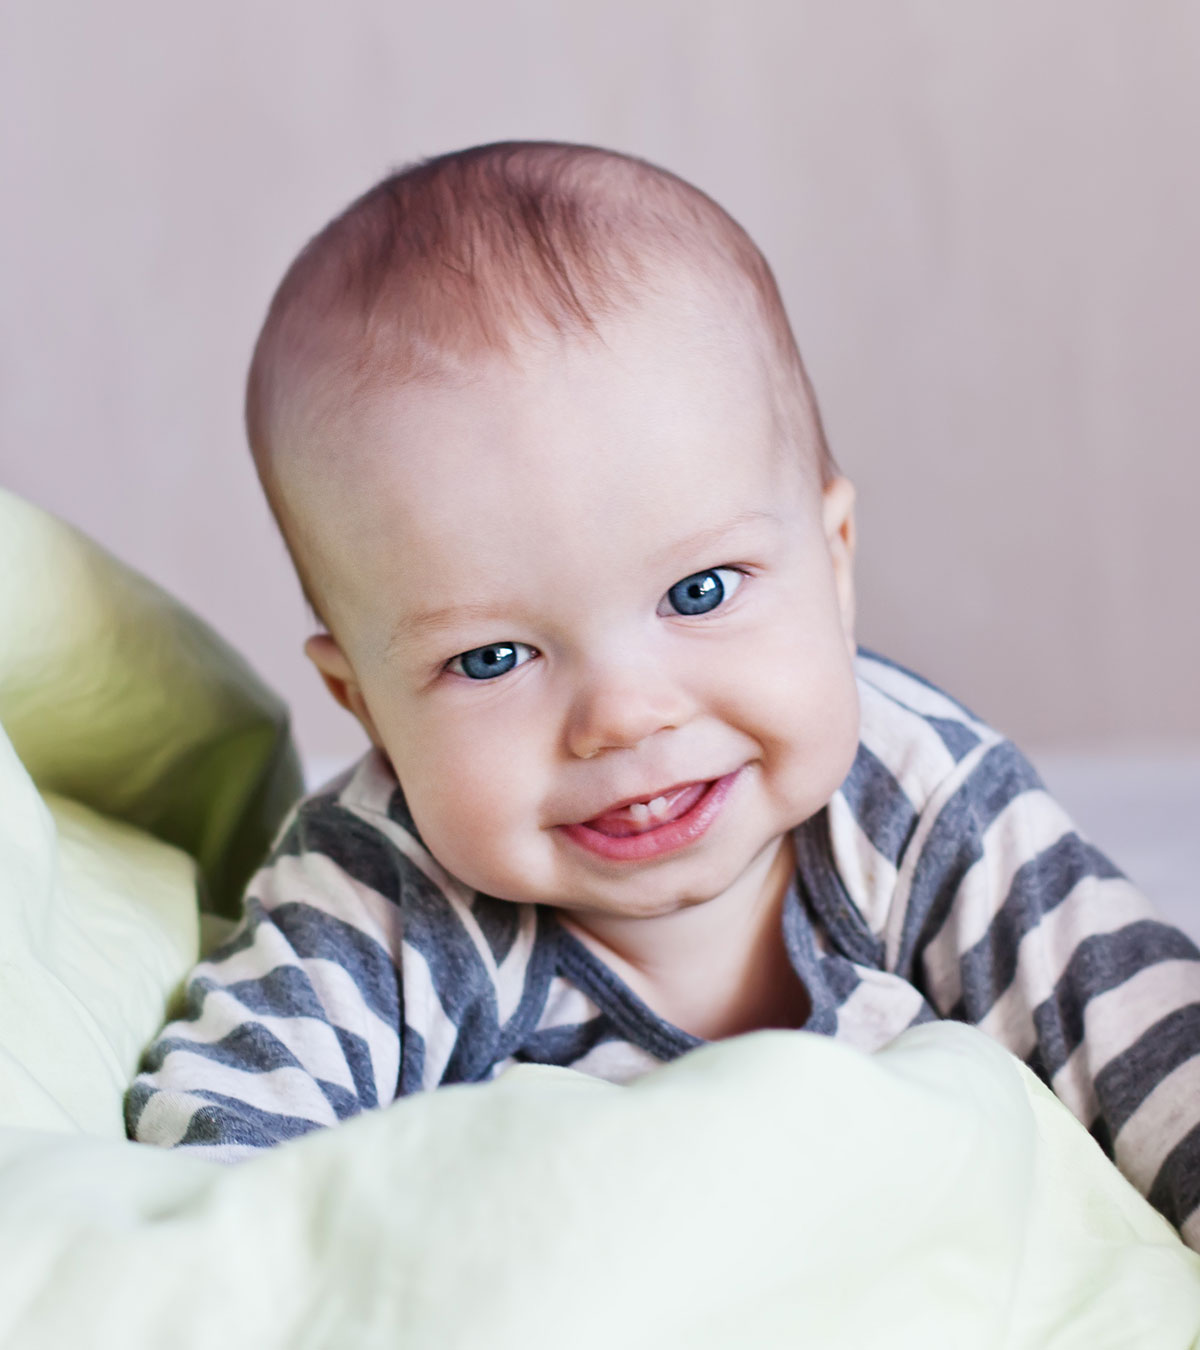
[(482, 249)]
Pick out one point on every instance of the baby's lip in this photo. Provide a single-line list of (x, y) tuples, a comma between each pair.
[(676, 787)]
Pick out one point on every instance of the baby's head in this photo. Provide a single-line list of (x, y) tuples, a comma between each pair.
[(537, 434)]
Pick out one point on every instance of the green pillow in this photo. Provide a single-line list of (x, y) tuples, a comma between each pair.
[(143, 773), (116, 696)]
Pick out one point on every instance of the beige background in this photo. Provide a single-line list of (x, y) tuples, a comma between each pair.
[(983, 213)]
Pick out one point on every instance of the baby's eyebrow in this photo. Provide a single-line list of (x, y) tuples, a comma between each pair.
[(426, 621), (712, 535)]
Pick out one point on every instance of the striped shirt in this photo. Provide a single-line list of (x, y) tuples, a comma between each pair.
[(941, 881)]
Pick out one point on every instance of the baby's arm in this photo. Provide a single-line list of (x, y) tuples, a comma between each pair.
[(294, 1021), (1009, 919)]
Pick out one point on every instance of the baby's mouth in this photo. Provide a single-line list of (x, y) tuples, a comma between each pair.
[(641, 817)]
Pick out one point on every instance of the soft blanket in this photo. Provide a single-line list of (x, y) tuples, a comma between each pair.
[(772, 1190)]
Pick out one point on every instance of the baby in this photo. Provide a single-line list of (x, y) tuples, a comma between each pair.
[(535, 429)]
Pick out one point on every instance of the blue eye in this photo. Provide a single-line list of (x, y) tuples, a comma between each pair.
[(485, 663), (701, 592)]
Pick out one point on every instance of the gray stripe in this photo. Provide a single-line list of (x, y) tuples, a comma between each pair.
[(252, 1048), (632, 1019), (1176, 1189), (1126, 1081), (500, 922), (411, 1077), (957, 737), (924, 1014), (314, 934), (825, 894), (285, 991), (566, 1044), (839, 977), (225, 1120), (134, 1104), (539, 973), (237, 941), (827, 979), (357, 847), (1099, 963), (1100, 1132), (358, 1059), (397, 810), (249, 1046), (1038, 887), (880, 805), (460, 979), (955, 844)]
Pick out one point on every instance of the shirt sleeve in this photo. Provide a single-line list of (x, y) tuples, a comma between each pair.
[(294, 1022), (1007, 917)]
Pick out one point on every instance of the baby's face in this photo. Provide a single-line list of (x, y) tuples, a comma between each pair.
[(597, 617)]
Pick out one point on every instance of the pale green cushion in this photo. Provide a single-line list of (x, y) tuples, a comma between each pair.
[(774, 1191), (116, 696), (98, 925), (143, 772)]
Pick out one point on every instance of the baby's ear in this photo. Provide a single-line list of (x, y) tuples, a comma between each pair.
[(837, 516), (323, 651)]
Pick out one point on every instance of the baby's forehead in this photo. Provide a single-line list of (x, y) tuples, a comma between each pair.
[(665, 375), (655, 411), (647, 409)]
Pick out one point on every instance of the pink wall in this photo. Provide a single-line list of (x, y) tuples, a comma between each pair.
[(985, 218)]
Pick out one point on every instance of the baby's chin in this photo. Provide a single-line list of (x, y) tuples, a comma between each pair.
[(657, 894), (620, 903), (651, 895), (642, 907)]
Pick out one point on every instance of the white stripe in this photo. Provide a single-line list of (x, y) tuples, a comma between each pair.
[(877, 1011), (869, 876), (314, 1043), (423, 1012), (1027, 826), (286, 1091), (370, 785), (917, 695), (512, 972), (894, 931), (1115, 1019), (915, 755), (1161, 1121), (616, 1062), (332, 983), (166, 1116), (315, 880), (343, 1002), (1095, 905), (1036, 822), (268, 950), (566, 1005)]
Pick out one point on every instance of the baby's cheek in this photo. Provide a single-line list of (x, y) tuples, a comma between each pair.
[(471, 788), (473, 827), (814, 740)]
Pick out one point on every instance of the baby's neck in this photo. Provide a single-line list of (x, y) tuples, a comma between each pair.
[(717, 969)]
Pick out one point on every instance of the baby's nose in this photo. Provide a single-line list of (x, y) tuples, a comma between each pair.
[(619, 705)]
